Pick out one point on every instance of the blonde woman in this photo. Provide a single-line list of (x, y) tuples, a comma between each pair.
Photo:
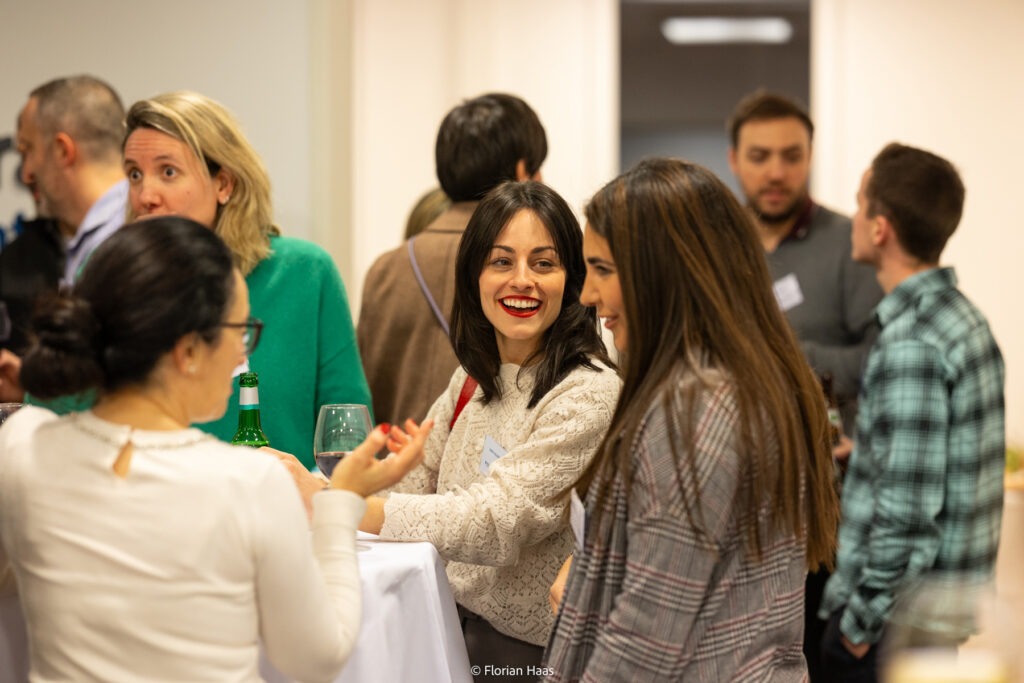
[(185, 154)]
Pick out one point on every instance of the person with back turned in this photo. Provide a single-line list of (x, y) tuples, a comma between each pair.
[(408, 293), (922, 498)]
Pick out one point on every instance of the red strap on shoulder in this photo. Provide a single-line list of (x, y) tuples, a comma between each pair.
[(467, 393)]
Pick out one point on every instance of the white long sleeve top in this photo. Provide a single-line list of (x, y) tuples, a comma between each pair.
[(178, 570)]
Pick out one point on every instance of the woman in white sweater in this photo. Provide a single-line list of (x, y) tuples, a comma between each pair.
[(492, 494), (144, 549)]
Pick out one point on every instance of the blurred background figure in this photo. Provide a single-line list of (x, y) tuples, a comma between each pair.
[(186, 155), (408, 292), (711, 494), (143, 548), (30, 265), (69, 137), (923, 495), (827, 298), (426, 210)]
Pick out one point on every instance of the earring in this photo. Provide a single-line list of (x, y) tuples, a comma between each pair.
[(192, 369), (224, 201)]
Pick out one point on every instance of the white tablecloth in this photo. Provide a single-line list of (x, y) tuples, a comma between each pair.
[(410, 629)]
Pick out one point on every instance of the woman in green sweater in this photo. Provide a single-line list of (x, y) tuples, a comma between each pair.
[(184, 154)]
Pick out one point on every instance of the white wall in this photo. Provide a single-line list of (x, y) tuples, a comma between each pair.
[(944, 75), (251, 55), (412, 61)]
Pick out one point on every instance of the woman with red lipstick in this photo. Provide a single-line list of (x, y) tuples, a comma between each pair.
[(711, 494), (491, 492)]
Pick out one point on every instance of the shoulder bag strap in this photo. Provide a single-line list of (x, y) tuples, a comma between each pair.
[(441, 320), (467, 393)]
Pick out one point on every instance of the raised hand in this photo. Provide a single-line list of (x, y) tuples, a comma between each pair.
[(363, 474), (397, 437)]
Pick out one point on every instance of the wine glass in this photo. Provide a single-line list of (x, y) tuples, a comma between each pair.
[(7, 409), (340, 427)]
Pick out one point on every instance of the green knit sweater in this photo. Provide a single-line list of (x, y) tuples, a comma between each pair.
[(307, 355)]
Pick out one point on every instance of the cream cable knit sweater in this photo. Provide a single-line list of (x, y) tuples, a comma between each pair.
[(505, 534)]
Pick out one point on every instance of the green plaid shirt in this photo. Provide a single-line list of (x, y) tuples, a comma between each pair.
[(924, 490)]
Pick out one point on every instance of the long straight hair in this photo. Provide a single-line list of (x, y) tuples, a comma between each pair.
[(571, 341), (697, 296)]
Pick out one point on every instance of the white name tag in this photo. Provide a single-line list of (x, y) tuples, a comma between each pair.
[(492, 451), (577, 519), (787, 292)]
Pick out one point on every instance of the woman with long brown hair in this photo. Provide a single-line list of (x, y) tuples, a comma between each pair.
[(711, 494)]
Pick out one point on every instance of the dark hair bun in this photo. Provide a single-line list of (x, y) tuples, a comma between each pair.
[(64, 355)]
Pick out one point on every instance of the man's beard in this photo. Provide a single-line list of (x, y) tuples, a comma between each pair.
[(783, 216)]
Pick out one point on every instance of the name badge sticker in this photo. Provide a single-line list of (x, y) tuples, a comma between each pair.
[(577, 519), (492, 451), (787, 292)]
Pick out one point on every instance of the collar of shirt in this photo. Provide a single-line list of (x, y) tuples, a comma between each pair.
[(109, 207), (911, 289), (802, 226)]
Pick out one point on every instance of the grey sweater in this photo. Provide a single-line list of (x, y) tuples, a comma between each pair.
[(835, 321)]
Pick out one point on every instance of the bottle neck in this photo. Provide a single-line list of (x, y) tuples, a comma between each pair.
[(249, 398)]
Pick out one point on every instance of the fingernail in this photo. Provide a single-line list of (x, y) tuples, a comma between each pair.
[(384, 427)]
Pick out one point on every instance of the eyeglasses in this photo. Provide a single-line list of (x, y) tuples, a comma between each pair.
[(251, 336)]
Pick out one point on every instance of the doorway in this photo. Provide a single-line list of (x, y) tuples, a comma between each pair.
[(676, 96)]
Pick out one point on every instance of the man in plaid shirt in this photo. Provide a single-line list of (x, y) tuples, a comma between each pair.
[(923, 494)]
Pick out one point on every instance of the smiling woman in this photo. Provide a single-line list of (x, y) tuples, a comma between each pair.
[(711, 494), (521, 286), (491, 492)]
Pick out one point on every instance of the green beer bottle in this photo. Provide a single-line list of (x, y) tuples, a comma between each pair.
[(249, 432)]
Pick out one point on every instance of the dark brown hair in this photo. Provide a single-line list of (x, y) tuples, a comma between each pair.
[(482, 140), (697, 296), (764, 106), (922, 196), (142, 290), (571, 341)]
